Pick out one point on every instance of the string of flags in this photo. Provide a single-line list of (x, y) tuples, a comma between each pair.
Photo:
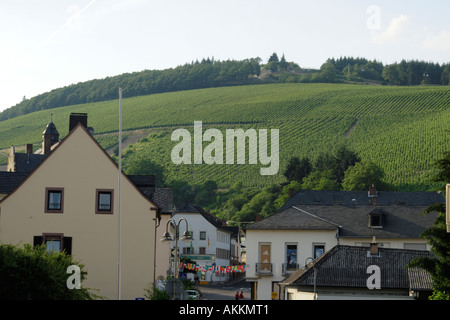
[(216, 269)]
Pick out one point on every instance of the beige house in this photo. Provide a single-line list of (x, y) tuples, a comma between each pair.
[(71, 201)]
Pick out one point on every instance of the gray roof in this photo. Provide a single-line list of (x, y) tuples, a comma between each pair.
[(215, 221), (161, 196), (361, 198), (419, 279), (25, 162), (9, 181), (321, 210), (346, 266), (51, 129), (293, 219)]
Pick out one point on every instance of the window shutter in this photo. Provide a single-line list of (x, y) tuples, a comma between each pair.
[(37, 241), (67, 245)]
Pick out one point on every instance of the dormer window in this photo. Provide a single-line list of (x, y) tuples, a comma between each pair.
[(376, 219)]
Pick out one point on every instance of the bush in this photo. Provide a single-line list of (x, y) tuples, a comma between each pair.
[(32, 273)]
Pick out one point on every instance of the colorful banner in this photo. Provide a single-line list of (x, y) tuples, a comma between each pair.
[(215, 269)]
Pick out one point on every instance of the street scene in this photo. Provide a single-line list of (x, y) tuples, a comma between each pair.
[(231, 151), (224, 291)]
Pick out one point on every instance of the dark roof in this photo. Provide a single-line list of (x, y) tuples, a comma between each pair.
[(9, 181), (331, 210), (361, 198), (143, 180), (398, 221), (51, 129), (216, 222), (27, 162), (161, 196), (293, 219), (346, 266), (419, 279)]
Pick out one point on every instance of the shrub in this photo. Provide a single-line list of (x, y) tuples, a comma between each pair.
[(32, 273)]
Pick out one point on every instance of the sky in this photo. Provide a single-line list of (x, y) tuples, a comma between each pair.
[(48, 44)]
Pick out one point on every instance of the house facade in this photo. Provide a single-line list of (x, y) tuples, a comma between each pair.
[(314, 222), (214, 244), (71, 201)]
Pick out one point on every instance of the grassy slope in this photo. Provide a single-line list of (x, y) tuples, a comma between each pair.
[(403, 129)]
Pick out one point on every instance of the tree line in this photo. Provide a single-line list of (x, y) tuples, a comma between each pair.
[(206, 73), (209, 73), (360, 70)]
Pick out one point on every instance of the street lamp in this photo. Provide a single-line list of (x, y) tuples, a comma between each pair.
[(168, 237), (315, 274)]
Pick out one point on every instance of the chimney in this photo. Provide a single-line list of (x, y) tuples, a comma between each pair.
[(76, 118), (374, 247), (46, 144), (29, 148), (373, 194)]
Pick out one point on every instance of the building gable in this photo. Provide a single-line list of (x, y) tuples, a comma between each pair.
[(83, 155), (83, 179)]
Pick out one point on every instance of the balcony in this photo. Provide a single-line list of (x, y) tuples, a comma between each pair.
[(264, 269), (289, 268)]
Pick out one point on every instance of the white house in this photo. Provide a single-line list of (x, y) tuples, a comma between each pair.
[(313, 222), (212, 243)]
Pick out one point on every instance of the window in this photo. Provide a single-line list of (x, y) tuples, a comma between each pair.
[(291, 255), (104, 201), (318, 249), (290, 265), (54, 242), (54, 200), (202, 250), (376, 219), (415, 246), (222, 253), (202, 235), (188, 250)]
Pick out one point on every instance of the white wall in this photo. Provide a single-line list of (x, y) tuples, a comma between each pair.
[(278, 240), (214, 239)]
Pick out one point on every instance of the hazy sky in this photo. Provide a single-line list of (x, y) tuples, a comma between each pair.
[(47, 44)]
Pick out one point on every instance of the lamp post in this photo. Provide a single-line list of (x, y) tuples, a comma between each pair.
[(315, 274), (168, 237)]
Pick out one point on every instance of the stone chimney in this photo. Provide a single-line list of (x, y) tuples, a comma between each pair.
[(76, 118), (29, 148), (374, 247), (372, 191), (373, 195)]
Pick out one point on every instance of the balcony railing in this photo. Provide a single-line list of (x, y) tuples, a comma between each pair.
[(264, 268), (289, 268)]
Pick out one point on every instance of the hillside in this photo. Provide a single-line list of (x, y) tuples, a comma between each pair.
[(211, 73), (402, 129)]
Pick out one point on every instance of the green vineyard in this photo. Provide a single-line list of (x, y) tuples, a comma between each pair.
[(402, 129)]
